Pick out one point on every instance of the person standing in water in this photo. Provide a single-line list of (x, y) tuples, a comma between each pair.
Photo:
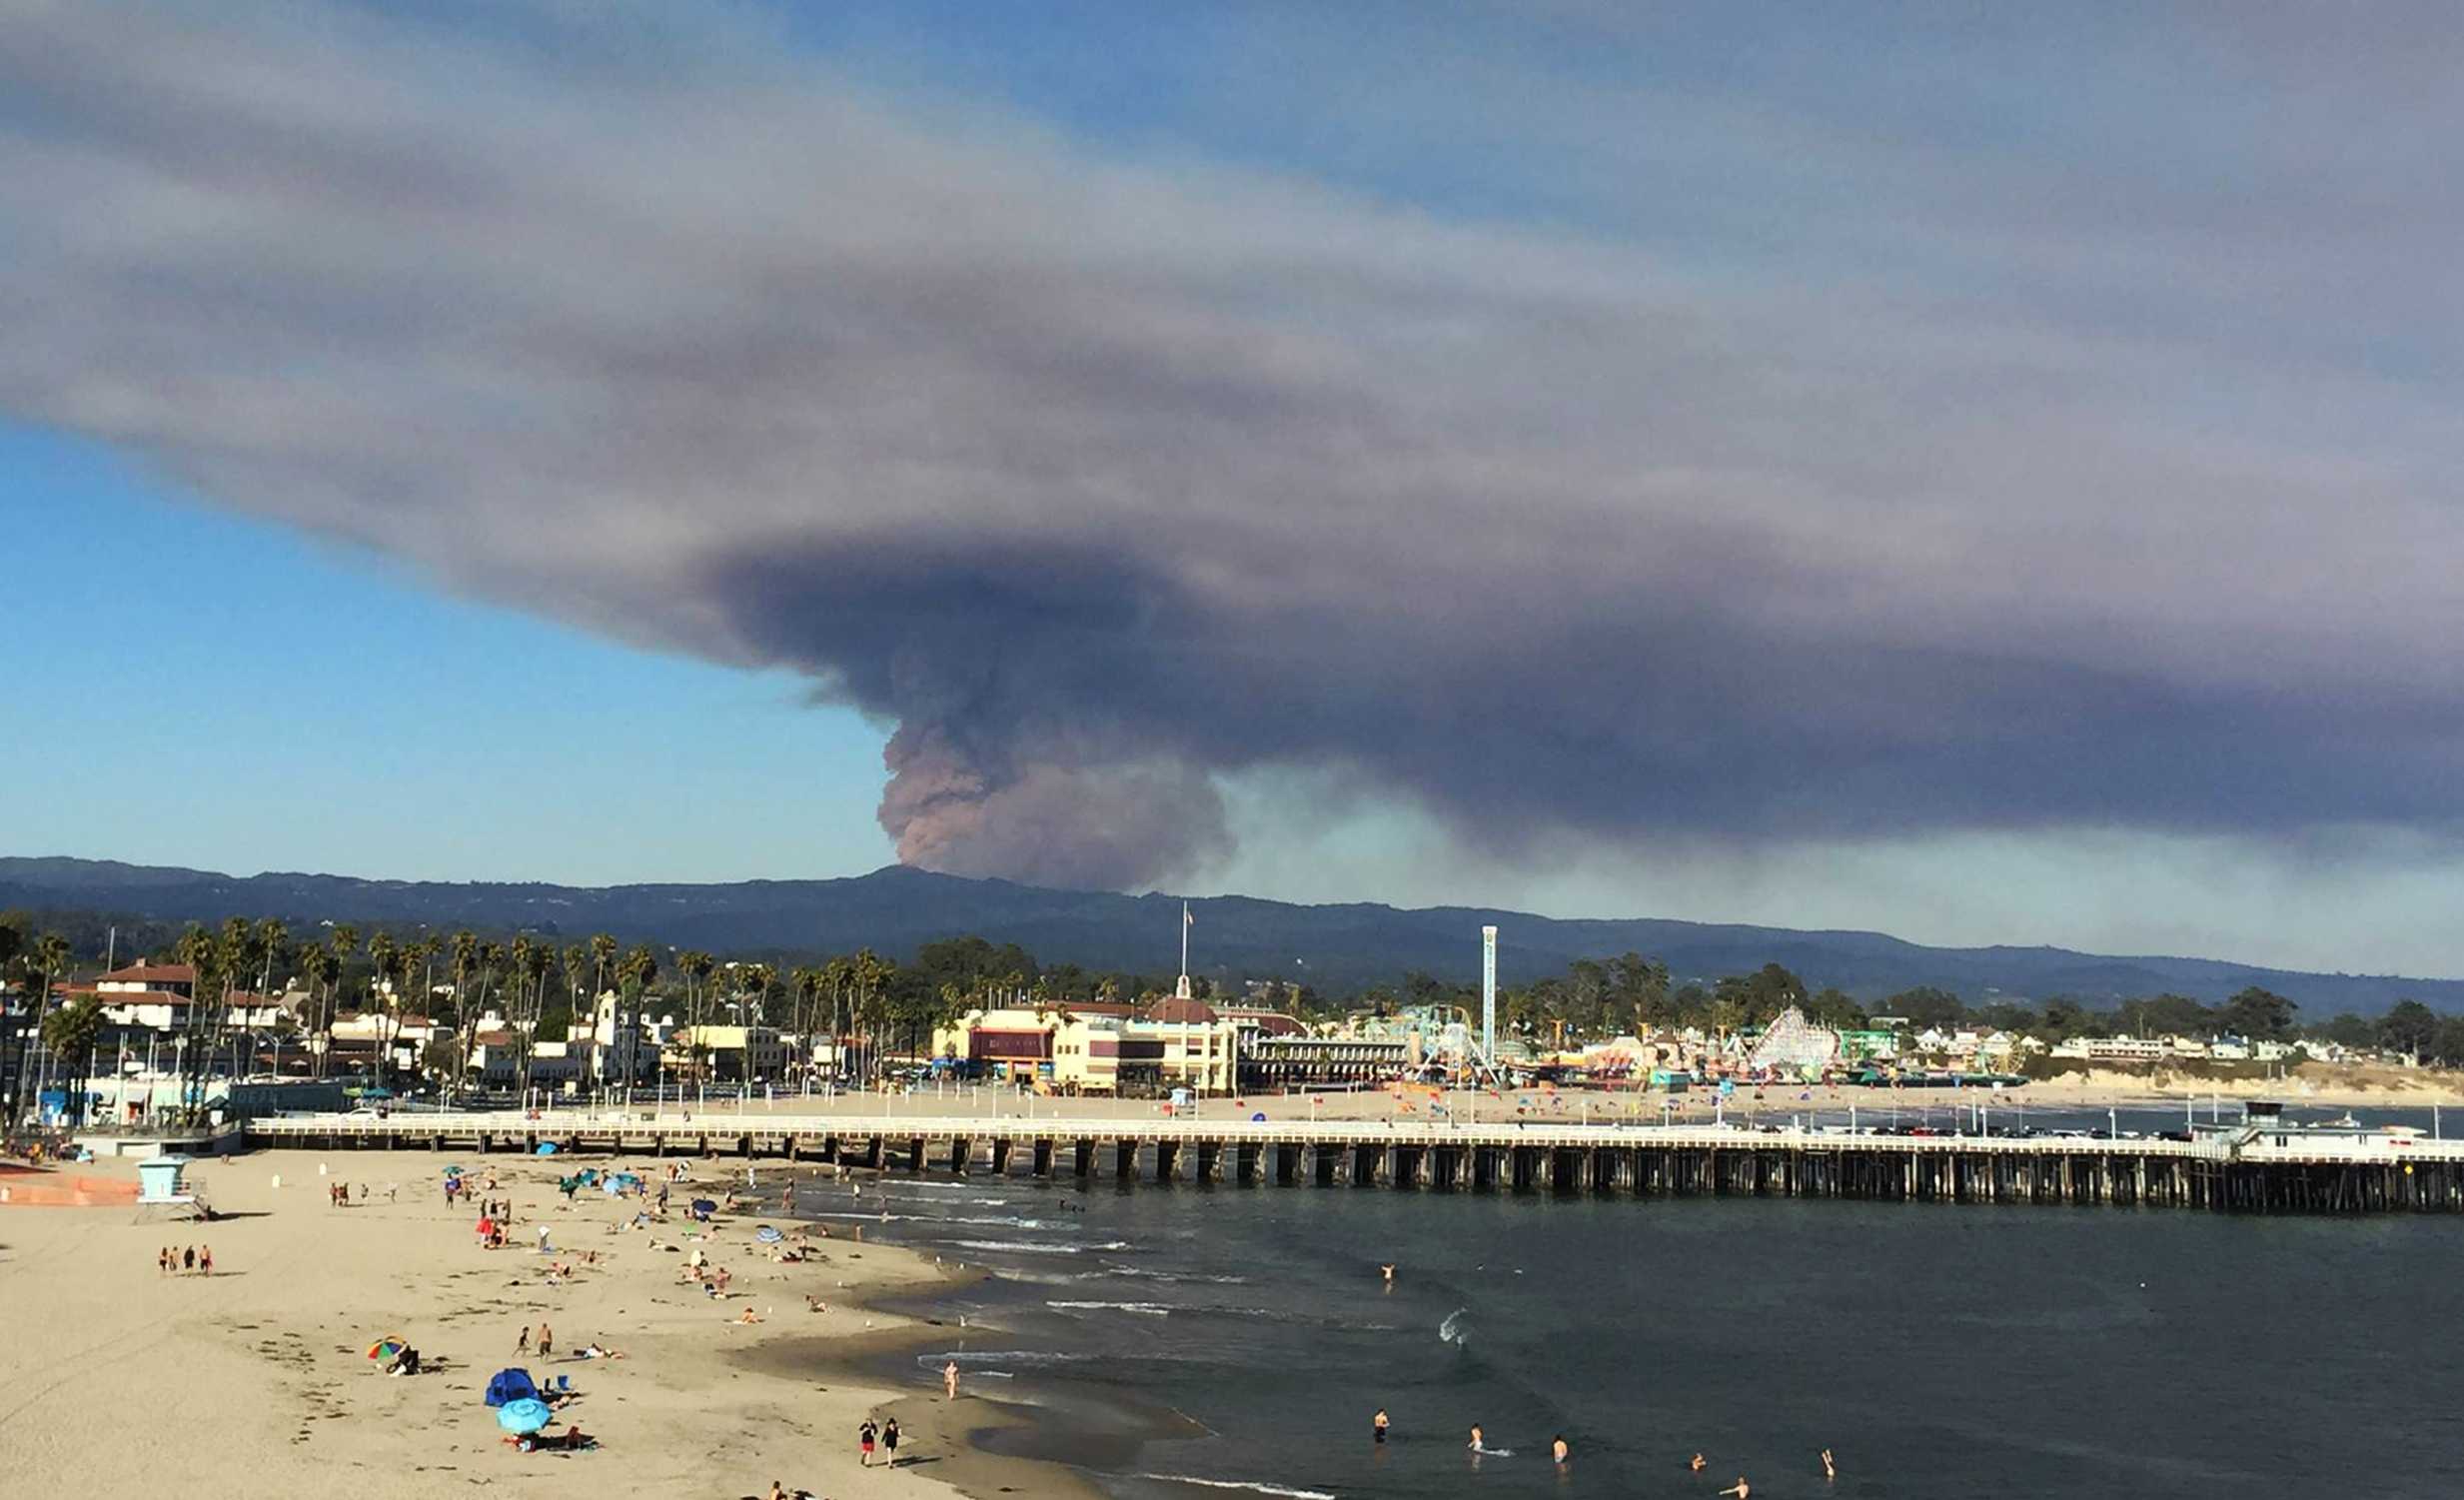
[(1699, 1464), (950, 1379), (1377, 1426), (1741, 1489), (1558, 1449), (1476, 1445), (1829, 1470)]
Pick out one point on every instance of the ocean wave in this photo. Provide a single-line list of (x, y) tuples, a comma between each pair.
[(1150, 1309), (1018, 1247), (1007, 1221), (1257, 1486), (965, 1357), (1144, 1274)]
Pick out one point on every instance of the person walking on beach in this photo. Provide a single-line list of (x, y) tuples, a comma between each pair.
[(162, 1260), (187, 1259), (547, 1341), (950, 1379), (205, 1261), (865, 1436), (1377, 1426), (889, 1441), (522, 1341)]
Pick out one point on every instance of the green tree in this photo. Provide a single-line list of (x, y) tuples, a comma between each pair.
[(2258, 1015), (1926, 1008), (2409, 1027)]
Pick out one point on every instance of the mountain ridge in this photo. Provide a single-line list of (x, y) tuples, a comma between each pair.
[(1336, 946)]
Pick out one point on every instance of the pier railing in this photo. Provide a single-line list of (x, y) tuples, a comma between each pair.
[(2247, 1168)]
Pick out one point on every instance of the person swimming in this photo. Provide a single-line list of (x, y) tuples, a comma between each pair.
[(1741, 1489), (1698, 1465)]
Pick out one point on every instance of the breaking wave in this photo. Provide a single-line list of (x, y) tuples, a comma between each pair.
[(1257, 1486)]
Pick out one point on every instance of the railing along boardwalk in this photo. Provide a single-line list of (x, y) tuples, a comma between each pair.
[(2245, 1170)]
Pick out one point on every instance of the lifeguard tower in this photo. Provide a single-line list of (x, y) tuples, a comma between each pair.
[(163, 1185)]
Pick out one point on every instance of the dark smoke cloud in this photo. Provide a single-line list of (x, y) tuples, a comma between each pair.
[(1104, 479)]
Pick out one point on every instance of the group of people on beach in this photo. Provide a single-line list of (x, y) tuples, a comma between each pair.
[(187, 1260), (884, 1434)]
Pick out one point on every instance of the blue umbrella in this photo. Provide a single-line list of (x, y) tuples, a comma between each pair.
[(768, 1235), (524, 1416), (546, 1148)]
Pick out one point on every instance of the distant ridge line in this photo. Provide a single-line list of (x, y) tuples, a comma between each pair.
[(1337, 947)]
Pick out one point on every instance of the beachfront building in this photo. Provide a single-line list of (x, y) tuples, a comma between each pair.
[(161, 996), (368, 1041), (1105, 1048), (727, 1055)]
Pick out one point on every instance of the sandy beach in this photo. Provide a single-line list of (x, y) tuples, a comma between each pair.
[(121, 1380)]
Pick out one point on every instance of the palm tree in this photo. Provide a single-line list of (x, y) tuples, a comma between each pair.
[(45, 963), (316, 967), (344, 942), (805, 986), (516, 1006), (603, 961), (381, 951), (69, 1033), (635, 974), (235, 960), (273, 952), (838, 973), (697, 968), (195, 948)]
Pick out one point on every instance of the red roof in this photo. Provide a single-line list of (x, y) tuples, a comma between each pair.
[(152, 973), (1188, 1012)]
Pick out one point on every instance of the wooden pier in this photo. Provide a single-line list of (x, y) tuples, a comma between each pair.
[(2247, 1171)]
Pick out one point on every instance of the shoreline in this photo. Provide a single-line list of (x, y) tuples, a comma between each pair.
[(256, 1379)]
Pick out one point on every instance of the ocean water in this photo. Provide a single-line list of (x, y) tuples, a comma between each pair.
[(1938, 1350)]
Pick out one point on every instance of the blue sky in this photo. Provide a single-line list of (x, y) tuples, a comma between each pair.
[(1977, 472), (223, 694)]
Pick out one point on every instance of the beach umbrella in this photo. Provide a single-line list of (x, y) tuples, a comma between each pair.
[(768, 1235), (524, 1416), (546, 1148), (388, 1349)]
